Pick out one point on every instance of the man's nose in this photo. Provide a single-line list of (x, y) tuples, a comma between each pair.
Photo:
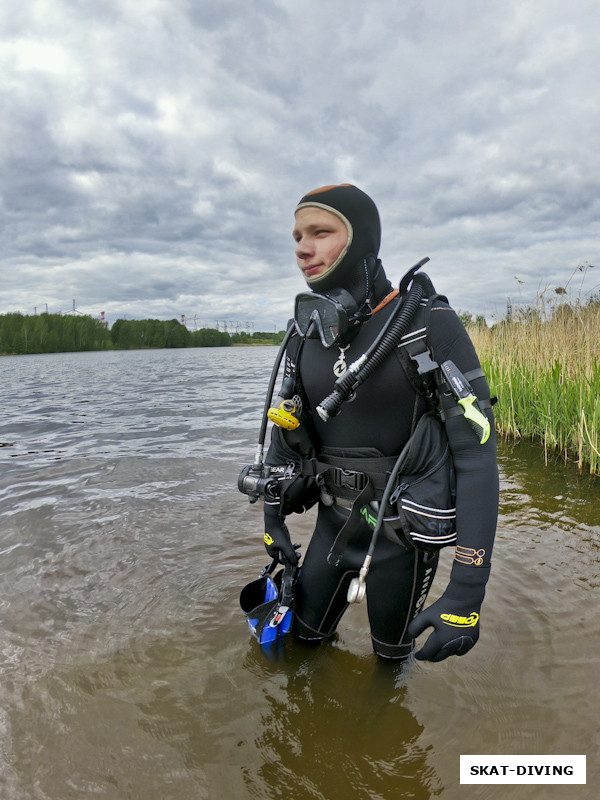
[(303, 248)]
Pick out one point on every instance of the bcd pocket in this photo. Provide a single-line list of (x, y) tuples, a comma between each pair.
[(424, 500)]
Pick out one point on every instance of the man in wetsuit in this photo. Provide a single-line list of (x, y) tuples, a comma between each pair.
[(337, 234)]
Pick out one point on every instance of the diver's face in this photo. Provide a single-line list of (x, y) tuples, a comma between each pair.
[(320, 239)]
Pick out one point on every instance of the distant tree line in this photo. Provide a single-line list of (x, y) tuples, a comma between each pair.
[(56, 333), (51, 333), (258, 337)]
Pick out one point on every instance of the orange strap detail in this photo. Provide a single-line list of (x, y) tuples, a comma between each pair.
[(386, 300)]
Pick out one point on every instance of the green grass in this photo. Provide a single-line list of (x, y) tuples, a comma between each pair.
[(545, 370)]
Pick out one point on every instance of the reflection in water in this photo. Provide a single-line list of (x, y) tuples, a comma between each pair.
[(335, 726), (127, 668)]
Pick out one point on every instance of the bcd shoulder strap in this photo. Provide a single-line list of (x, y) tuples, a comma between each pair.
[(423, 372), (414, 351)]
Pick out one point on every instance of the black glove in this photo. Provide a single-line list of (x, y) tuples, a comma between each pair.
[(277, 538), (454, 617), (299, 494)]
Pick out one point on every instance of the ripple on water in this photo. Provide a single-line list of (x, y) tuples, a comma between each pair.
[(128, 668)]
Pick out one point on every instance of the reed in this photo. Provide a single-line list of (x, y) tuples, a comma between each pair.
[(544, 367)]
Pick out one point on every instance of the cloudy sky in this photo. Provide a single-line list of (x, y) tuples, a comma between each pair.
[(152, 151)]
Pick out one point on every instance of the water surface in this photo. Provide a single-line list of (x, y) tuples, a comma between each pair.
[(127, 669)]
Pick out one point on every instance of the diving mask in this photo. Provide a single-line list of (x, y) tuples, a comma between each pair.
[(333, 319)]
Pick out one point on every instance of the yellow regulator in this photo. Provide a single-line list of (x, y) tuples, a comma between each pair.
[(284, 415)]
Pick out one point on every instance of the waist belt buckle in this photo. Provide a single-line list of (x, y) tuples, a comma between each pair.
[(350, 479)]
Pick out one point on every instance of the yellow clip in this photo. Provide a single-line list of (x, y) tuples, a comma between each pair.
[(477, 419), (284, 415)]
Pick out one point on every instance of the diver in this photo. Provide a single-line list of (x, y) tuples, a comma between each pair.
[(346, 452)]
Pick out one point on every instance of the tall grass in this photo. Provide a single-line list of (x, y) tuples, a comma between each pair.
[(544, 368)]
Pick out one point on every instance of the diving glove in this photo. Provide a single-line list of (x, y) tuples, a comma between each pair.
[(277, 537), (454, 617)]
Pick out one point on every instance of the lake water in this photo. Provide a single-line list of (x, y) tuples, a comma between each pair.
[(127, 669)]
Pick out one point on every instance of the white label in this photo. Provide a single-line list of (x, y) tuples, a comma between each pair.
[(522, 769)]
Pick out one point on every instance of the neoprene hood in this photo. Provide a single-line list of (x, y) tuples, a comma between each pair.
[(360, 216)]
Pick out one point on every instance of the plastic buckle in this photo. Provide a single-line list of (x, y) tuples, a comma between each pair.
[(350, 479), (424, 362)]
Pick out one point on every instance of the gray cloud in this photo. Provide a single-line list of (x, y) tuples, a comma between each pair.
[(152, 152)]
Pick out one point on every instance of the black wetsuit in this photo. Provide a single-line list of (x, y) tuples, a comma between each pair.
[(379, 420)]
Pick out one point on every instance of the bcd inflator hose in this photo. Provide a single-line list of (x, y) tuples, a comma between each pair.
[(386, 342), (260, 447)]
